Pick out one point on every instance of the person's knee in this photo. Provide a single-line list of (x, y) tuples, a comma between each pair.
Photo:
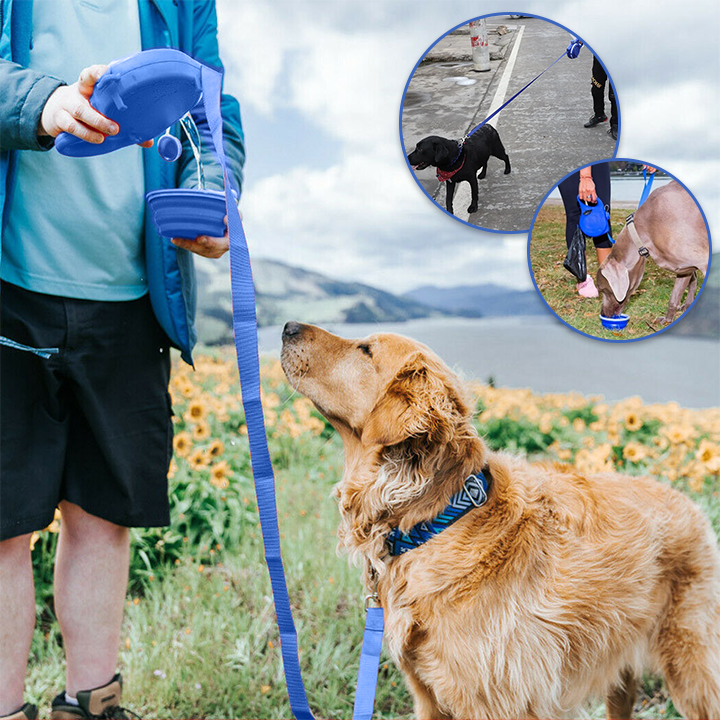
[(80, 526), (15, 549)]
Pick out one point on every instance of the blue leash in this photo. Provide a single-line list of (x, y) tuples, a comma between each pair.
[(246, 346), (648, 186), (504, 105)]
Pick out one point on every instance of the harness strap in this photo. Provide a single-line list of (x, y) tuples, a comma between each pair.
[(246, 347), (505, 104), (634, 236)]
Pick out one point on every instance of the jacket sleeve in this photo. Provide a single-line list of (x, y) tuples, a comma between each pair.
[(205, 49), (23, 97)]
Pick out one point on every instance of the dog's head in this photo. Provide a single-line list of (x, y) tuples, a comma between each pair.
[(381, 390), (613, 283), (619, 276), (432, 150)]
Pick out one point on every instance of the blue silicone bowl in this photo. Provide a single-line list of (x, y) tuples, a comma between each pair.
[(187, 213), (618, 322)]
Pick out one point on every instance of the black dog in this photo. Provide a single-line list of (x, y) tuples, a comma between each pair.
[(456, 162)]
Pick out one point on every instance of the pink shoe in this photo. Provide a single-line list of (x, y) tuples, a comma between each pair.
[(587, 288)]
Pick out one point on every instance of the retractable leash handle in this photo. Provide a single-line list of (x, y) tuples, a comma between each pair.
[(246, 347)]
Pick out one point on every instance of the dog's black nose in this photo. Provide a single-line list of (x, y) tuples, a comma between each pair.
[(291, 329)]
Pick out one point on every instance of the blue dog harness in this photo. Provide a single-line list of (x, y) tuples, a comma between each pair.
[(474, 494)]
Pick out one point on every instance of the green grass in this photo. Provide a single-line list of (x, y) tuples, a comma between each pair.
[(229, 664), (557, 285), (199, 636)]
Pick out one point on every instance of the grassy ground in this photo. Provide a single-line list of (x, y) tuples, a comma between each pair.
[(199, 637), (557, 285)]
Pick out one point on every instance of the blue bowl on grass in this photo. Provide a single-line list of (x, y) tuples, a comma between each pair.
[(618, 322), (187, 213)]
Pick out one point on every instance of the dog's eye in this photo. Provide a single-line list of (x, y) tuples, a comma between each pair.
[(366, 349)]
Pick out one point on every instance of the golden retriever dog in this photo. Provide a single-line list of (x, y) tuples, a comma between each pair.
[(560, 588)]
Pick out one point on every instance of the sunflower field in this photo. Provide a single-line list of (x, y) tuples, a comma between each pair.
[(200, 639)]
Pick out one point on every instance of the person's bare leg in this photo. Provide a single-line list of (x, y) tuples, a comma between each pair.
[(91, 575), (602, 253), (17, 619)]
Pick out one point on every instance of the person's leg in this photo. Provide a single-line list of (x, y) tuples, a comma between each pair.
[(613, 106), (568, 192), (17, 619), (597, 90), (118, 452), (602, 253), (33, 433), (91, 574)]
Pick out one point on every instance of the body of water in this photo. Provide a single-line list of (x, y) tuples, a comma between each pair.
[(542, 354)]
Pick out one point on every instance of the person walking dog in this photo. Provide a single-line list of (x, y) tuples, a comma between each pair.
[(89, 429), (591, 184)]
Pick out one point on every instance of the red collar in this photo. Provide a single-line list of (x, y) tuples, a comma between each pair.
[(443, 175)]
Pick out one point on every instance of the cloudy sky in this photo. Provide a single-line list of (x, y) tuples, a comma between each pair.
[(320, 85)]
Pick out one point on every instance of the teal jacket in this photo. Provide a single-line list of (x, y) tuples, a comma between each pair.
[(187, 25)]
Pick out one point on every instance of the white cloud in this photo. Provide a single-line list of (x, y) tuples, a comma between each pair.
[(343, 67)]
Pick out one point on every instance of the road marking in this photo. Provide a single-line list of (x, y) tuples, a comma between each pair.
[(501, 91), (462, 197)]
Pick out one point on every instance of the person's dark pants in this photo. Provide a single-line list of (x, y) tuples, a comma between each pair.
[(569, 192), (91, 425), (599, 79)]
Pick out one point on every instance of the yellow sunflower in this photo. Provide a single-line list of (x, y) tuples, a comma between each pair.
[(219, 474), (198, 459), (182, 444), (201, 431), (196, 411), (216, 448), (633, 421), (634, 452)]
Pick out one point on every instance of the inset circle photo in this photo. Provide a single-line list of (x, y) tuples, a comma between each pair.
[(619, 250), (497, 109)]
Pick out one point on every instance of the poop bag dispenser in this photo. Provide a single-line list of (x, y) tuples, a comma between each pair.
[(145, 94)]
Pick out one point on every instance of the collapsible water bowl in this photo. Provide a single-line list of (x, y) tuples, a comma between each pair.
[(617, 322), (146, 94)]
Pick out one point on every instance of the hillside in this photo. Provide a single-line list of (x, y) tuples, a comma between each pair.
[(285, 292), (479, 300)]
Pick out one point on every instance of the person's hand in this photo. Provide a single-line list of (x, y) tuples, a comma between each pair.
[(204, 245), (649, 168), (586, 189), (69, 110)]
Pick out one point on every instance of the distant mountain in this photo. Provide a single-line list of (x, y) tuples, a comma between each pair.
[(479, 300), (284, 292)]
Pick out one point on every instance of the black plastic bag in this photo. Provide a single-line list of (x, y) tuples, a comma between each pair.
[(575, 261)]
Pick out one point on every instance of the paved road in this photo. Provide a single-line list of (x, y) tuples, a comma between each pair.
[(542, 130)]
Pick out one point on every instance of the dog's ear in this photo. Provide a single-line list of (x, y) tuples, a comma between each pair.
[(441, 153), (617, 276), (422, 400)]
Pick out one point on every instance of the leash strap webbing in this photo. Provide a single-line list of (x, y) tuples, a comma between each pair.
[(369, 663), (648, 186), (246, 347), (505, 104)]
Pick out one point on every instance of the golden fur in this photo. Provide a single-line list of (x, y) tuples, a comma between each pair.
[(560, 588)]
